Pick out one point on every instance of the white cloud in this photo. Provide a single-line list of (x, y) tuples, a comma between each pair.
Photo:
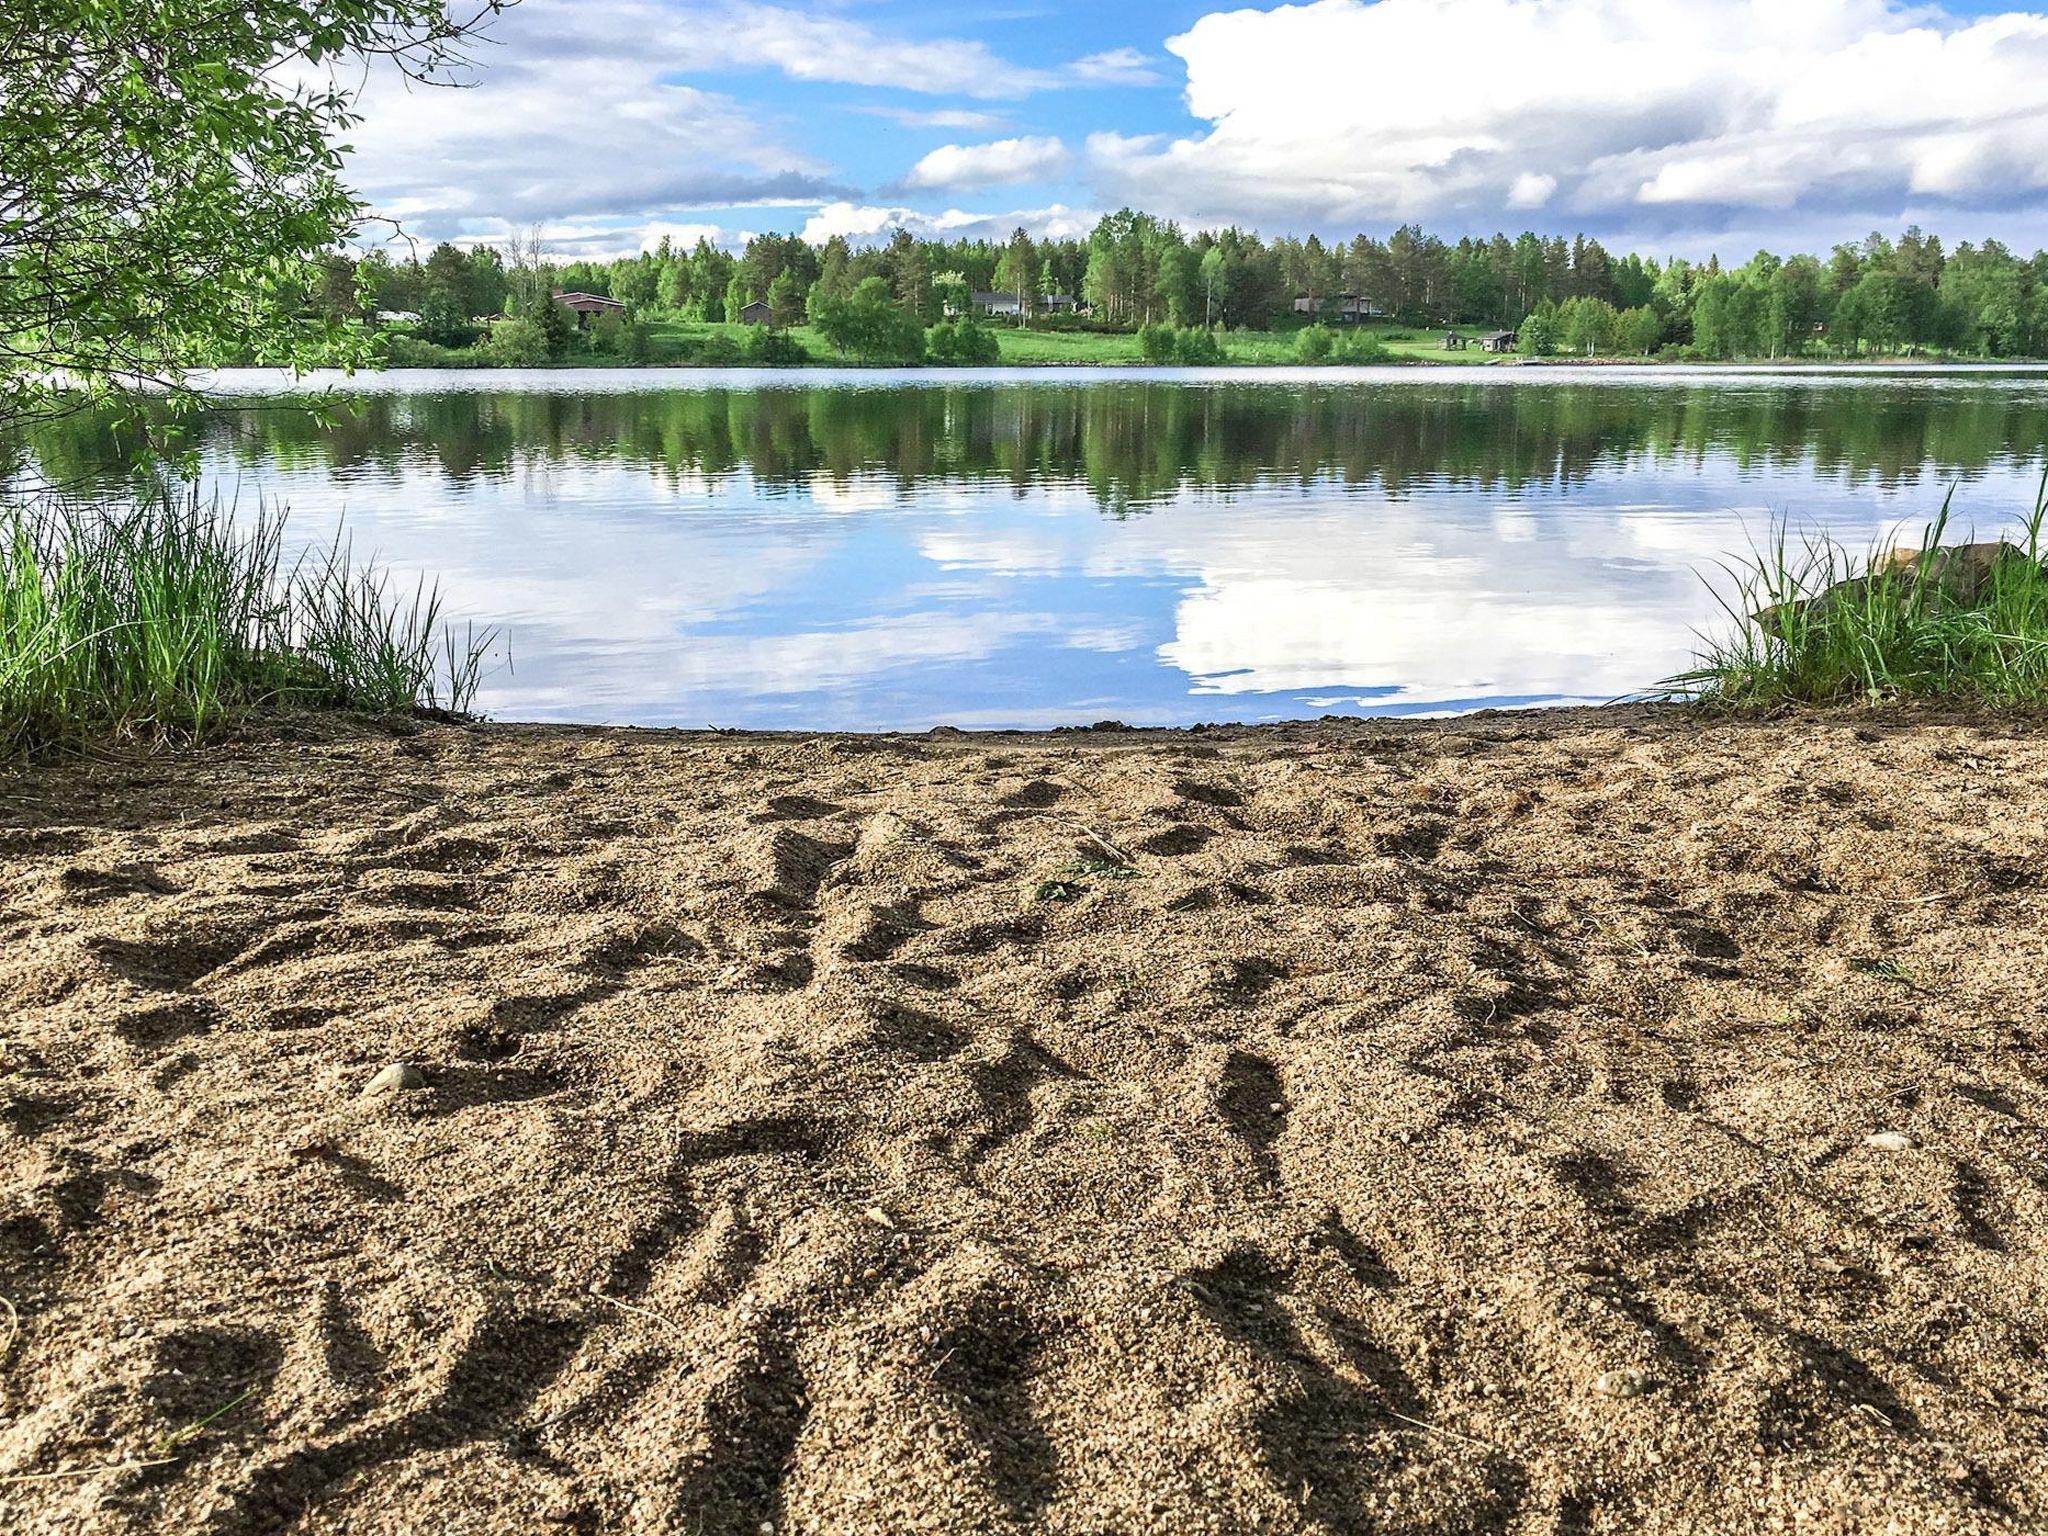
[(813, 47), (1004, 162), (957, 118), (867, 223), (1653, 114), (584, 111), (1117, 66), (575, 118)]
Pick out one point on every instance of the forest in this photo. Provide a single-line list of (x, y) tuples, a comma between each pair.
[(1137, 274)]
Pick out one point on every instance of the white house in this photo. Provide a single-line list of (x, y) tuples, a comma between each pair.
[(994, 305)]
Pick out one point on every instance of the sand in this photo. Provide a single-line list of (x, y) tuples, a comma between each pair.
[(1322, 1128)]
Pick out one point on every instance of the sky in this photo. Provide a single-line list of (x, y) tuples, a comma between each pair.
[(1665, 126)]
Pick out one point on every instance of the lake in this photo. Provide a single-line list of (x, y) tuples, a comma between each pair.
[(868, 549)]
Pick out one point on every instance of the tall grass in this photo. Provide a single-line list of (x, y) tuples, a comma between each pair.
[(170, 616), (1812, 626)]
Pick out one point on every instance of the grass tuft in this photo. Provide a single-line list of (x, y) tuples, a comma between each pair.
[(168, 617), (1811, 625)]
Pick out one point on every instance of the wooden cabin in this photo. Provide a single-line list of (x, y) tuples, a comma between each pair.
[(1500, 341), (756, 313), (586, 306)]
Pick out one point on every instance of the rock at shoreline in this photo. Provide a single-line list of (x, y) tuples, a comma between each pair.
[(1960, 572)]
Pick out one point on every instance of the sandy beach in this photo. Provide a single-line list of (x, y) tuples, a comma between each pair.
[(1583, 1121)]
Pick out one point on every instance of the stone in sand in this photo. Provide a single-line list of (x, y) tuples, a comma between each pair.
[(399, 1077), (1890, 1141), (1624, 1383)]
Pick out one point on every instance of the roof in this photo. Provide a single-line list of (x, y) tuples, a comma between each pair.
[(589, 298), (1497, 335), (993, 298)]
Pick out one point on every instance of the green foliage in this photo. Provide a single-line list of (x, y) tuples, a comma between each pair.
[(1314, 344), (719, 351), (1809, 627), (1538, 332), (962, 343), (870, 324), (170, 182), (786, 299), (557, 325), (1360, 347), (1197, 346), (1156, 343), (169, 617), (769, 348), (517, 342)]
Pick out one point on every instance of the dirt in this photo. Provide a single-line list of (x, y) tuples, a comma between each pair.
[(1333, 1128)]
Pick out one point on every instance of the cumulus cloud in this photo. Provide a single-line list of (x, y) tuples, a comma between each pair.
[(591, 111), (573, 118), (863, 223), (1005, 162), (1643, 113)]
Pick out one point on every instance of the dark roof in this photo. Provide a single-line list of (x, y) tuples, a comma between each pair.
[(598, 299), (993, 298)]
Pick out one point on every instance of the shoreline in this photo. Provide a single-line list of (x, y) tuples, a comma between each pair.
[(1403, 364), (1139, 1129)]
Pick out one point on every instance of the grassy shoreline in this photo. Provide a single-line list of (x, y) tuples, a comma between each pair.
[(696, 345), (168, 617)]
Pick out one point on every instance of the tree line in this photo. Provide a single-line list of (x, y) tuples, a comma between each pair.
[(1566, 297)]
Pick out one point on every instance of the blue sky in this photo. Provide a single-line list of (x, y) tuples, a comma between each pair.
[(1661, 125)]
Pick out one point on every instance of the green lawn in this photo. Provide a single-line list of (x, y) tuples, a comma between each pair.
[(683, 341)]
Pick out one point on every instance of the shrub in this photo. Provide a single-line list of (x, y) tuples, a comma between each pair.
[(963, 343), (1313, 344), (718, 351), (1156, 343), (170, 616), (766, 347), (1197, 348), (1359, 347), (517, 342), (402, 351)]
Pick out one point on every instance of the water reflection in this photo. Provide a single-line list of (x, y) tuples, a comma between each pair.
[(885, 553)]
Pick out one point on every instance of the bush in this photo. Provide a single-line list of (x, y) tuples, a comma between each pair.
[(1313, 344), (719, 351), (168, 617), (1157, 343), (404, 351), (766, 347), (962, 343), (1197, 348), (1360, 347), (518, 342)]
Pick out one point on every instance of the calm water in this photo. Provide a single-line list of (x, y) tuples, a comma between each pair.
[(877, 550)]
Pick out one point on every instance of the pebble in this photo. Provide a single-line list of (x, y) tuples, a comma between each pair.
[(399, 1077), (1890, 1141), (1621, 1383)]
